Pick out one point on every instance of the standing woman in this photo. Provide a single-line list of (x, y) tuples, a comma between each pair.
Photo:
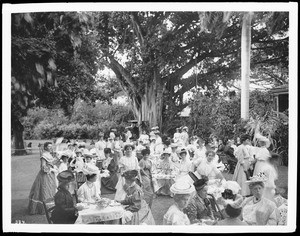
[(262, 153), (243, 165), (146, 169), (127, 162), (44, 186), (112, 166)]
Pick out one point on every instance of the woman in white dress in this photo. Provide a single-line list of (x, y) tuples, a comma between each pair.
[(244, 161), (175, 214), (89, 192), (262, 153), (184, 166), (207, 167), (127, 162), (258, 210)]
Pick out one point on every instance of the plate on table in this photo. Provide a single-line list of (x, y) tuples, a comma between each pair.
[(114, 203)]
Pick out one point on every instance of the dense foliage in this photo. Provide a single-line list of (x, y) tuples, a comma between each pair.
[(86, 121)]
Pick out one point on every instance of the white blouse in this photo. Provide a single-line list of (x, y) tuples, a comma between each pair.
[(174, 216), (129, 163), (88, 193)]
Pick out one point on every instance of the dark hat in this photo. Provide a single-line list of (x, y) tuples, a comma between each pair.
[(66, 176), (200, 183), (130, 174)]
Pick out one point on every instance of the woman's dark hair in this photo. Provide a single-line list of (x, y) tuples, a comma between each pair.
[(88, 177), (244, 137), (46, 144), (107, 150), (232, 212), (145, 151), (227, 194)]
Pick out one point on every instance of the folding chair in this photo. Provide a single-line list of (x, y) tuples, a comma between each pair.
[(49, 206), (215, 207)]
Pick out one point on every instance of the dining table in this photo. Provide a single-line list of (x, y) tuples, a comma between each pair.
[(92, 213)]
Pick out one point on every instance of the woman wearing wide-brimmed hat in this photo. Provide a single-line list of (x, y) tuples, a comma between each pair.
[(127, 162), (166, 167), (258, 210), (64, 211), (134, 199), (181, 194)]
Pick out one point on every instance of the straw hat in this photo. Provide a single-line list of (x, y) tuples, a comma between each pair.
[(260, 177), (65, 176), (155, 128), (90, 169), (264, 139), (185, 128), (173, 145), (233, 186), (182, 187)]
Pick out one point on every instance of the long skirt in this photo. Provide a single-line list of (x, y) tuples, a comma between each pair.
[(43, 187), (120, 193), (111, 181), (147, 189), (240, 177), (143, 216)]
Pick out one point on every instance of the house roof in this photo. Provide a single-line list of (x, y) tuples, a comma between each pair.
[(282, 89)]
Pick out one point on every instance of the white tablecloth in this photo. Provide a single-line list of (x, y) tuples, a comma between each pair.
[(93, 214)]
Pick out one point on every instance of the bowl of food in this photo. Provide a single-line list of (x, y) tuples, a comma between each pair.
[(102, 203)]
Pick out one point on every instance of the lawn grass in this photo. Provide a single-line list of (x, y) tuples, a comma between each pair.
[(25, 168)]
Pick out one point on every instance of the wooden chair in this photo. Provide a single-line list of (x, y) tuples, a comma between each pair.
[(215, 207), (49, 207), (76, 196), (80, 179)]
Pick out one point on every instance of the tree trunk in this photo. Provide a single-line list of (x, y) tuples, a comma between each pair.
[(245, 64), (149, 107), (18, 137)]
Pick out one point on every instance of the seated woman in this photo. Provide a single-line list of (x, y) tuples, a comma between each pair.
[(77, 163), (89, 191), (135, 200), (127, 162), (146, 174), (64, 211), (166, 167), (111, 164), (258, 210), (207, 167), (184, 166), (233, 209), (175, 214), (199, 207)]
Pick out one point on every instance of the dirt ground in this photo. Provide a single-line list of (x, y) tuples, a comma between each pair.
[(25, 168)]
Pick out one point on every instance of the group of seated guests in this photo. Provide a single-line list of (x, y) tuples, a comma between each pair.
[(132, 170)]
